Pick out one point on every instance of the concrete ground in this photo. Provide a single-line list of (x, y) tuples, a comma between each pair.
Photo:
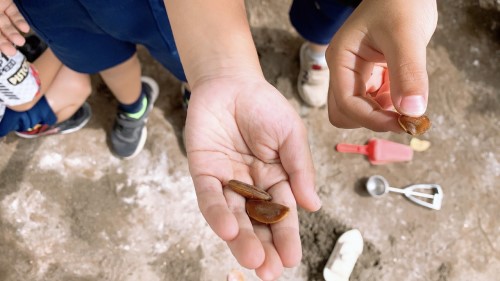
[(70, 210)]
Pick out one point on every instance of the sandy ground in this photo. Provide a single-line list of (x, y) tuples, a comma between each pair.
[(70, 210)]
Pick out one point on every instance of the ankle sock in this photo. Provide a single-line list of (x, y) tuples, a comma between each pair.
[(318, 58), (136, 109)]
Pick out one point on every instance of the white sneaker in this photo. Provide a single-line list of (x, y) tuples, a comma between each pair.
[(313, 80), (348, 248)]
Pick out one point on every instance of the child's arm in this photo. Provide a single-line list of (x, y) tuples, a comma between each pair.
[(213, 39), (240, 127)]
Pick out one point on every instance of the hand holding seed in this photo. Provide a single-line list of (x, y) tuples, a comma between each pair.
[(259, 208), (414, 126), (241, 127)]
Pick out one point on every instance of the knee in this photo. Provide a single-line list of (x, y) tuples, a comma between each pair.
[(80, 88)]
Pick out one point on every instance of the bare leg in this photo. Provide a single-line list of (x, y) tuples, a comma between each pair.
[(68, 92), (316, 48), (65, 91), (48, 65), (124, 80)]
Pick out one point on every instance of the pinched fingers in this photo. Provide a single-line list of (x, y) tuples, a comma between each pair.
[(350, 104), (378, 88)]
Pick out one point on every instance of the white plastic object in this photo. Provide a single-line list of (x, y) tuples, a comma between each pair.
[(348, 248), (19, 82)]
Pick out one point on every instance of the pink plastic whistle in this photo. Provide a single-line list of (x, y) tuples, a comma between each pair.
[(379, 151)]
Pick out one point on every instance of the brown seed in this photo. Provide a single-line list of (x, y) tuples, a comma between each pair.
[(414, 126), (265, 211), (249, 191)]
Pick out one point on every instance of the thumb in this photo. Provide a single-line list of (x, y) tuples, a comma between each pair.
[(406, 61)]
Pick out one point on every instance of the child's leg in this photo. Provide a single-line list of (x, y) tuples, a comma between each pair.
[(316, 21), (124, 80), (104, 41), (136, 96), (47, 66), (65, 91), (68, 91)]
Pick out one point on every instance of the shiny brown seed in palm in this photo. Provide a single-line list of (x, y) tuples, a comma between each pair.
[(249, 191), (414, 126), (265, 211)]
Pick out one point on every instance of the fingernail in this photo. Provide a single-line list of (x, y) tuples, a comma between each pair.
[(413, 105)]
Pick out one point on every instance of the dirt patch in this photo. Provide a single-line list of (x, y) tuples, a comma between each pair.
[(69, 210), (179, 261), (319, 232)]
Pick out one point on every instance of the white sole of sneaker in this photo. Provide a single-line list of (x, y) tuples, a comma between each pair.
[(30, 137), (48, 133), (76, 128), (155, 89)]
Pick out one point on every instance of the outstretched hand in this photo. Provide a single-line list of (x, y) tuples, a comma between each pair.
[(243, 128), (11, 22), (380, 34)]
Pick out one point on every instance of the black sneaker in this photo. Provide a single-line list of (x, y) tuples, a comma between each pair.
[(129, 135), (73, 124), (186, 95)]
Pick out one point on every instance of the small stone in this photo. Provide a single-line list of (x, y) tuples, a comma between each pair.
[(419, 145)]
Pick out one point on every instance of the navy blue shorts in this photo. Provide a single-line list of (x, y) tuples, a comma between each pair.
[(318, 20), (93, 35), (40, 114)]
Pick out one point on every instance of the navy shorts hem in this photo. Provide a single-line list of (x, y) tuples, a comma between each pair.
[(91, 36), (318, 20)]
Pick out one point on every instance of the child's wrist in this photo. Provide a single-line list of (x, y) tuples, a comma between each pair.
[(224, 67)]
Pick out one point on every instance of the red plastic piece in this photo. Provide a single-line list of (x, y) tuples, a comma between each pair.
[(379, 151)]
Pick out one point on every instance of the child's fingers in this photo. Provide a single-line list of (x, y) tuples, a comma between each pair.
[(246, 246), (272, 267), (349, 91), (17, 18), (285, 234), (214, 208)]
